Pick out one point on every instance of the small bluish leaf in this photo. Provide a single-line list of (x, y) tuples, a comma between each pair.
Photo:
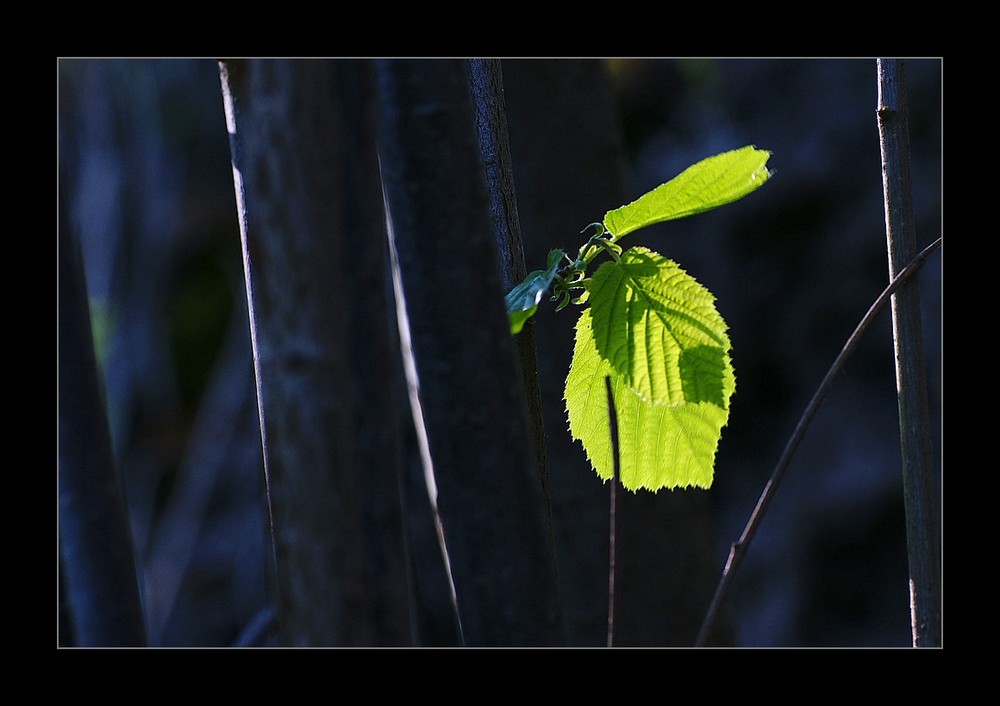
[(522, 301)]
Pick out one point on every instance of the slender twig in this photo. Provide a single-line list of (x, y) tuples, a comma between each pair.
[(739, 548), (229, 75), (613, 426), (911, 380)]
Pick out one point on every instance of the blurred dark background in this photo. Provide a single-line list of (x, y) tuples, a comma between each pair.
[(145, 163)]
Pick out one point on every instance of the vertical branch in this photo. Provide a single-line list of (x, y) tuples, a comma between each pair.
[(95, 538), (911, 384), (491, 120)]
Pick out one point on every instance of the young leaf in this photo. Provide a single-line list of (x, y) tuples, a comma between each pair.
[(522, 300), (659, 330), (660, 446), (712, 182)]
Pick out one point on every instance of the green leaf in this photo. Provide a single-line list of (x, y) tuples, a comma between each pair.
[(659, 330), (710, 183), (660, 446), (522, 300)]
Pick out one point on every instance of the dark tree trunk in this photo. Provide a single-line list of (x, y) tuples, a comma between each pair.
[(494, 143), (95, 540), (314, 246), (569, 163), (489, 493)]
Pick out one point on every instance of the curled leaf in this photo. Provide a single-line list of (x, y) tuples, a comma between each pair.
[(712, 182)]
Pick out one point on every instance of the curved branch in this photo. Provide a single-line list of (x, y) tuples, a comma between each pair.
[(739, 548)]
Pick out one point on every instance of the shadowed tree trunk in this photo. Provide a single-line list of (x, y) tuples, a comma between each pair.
[(489, 492), (494, 143), (95, 541), (313, 229)]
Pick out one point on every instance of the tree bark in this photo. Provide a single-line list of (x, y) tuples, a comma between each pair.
[(491, 121), (489, 494), (309, 200)]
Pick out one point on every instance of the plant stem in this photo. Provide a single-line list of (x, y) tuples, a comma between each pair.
[(911, 382), (613, 427), (739, 548)]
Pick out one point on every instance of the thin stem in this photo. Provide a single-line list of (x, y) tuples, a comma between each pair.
[(739, 548), (229, 75), (613, 426)]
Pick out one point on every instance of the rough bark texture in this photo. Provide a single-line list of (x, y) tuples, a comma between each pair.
[(314, 250), (489, 494), (95, 540)]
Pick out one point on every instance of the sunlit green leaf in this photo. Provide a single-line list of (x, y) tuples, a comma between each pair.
[(660, 446), (660, 331), (710, 183)]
